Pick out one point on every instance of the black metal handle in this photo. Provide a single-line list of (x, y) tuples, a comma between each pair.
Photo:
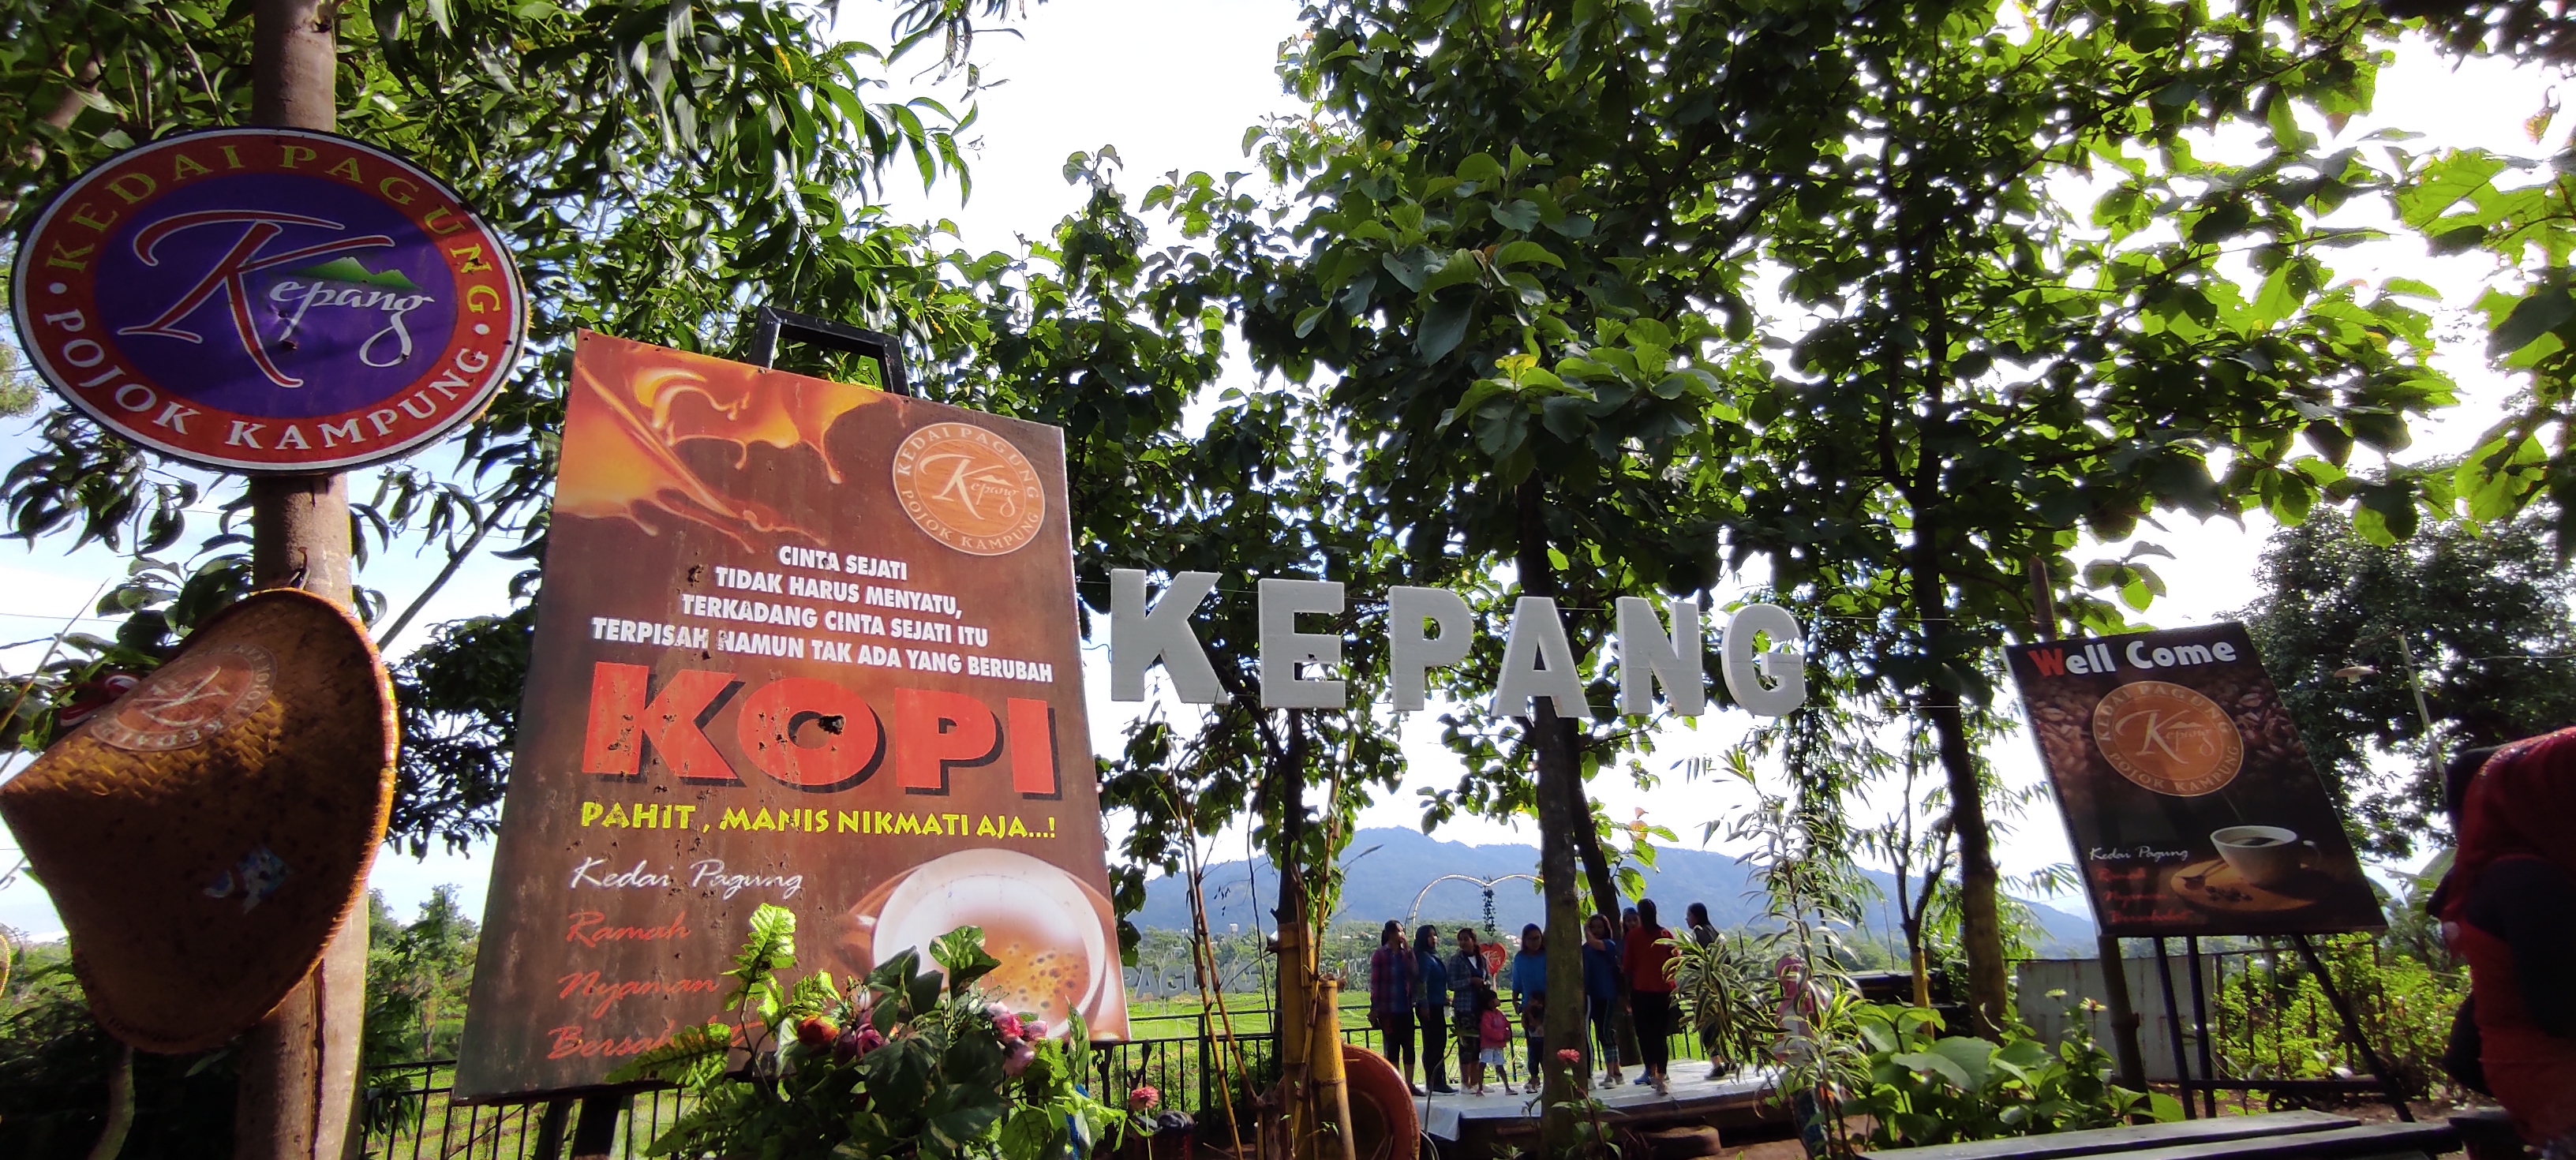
[(769, 323)]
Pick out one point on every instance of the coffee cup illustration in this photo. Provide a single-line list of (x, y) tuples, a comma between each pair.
[(1038, 920), (2262, 855)]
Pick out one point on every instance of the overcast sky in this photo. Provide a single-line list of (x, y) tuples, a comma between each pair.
[(1172, 84)]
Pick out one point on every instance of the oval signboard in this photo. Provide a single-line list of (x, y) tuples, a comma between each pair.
[(268, 300)]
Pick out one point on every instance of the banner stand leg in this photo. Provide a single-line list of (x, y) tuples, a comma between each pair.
[(594, 1135), (2352, 1029), (2173, 1030), (2200, 1019)]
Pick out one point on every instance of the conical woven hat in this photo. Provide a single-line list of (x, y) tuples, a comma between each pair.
[(203, 835)]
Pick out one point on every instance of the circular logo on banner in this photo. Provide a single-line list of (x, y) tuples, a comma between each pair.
[(193, 698), (268, 300), (2167, 738), (969, 488)]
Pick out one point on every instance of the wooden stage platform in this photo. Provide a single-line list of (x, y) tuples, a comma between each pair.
[(1475, 1126)]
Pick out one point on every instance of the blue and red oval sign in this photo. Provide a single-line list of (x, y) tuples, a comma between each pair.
[(268, 300)]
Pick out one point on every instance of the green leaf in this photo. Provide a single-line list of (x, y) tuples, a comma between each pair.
[(1518, 213), (1938, 1065), (1444, 326), (2544, 310), (1515, 253), (1479, 167), (961, 952)]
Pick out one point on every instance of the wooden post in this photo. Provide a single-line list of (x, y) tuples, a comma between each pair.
[(595, 1135), (299, 1066), (2132, 1062), (1332, 1098)]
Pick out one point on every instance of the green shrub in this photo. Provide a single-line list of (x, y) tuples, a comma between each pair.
[(1920, 1087), (2406, 1005), (901, 1064)]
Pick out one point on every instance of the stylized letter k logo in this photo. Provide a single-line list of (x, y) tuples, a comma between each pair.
[(229, 276)]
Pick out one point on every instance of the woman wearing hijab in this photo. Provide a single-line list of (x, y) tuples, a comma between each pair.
[(1602, 962), (1431, 1010), (1395, 981), (1650, 992), (2508, 909), (1529, 993)]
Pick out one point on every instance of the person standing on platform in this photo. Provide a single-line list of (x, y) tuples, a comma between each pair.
[(1468, 976), (1703, 934), (1529, 992), (2508, 909), (1602, 963), (1431, 1011), (1650, 993), (1395, 979), (1494, 1033)]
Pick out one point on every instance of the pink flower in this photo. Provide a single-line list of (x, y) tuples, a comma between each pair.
[(856, 1042), (1570, 1057), (1006, 1024), (1145, 1096), (1034, 1028), (1018, 1059)]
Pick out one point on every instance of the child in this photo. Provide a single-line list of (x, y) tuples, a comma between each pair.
[(1494, 1037)]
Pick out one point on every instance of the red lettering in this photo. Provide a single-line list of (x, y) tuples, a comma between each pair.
[(2049, 662), (670, 720), (847, 742), (936, 731), (590, 928), (1033, 761)]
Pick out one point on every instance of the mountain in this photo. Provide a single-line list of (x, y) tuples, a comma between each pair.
[(348, 270), (1388, 868)]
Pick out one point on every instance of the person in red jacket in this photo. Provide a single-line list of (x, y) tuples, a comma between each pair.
[(2508, 908), (1650, 991)]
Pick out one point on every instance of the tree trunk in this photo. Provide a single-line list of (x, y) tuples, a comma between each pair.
[(1981, 932), (1914, 957), (1284, 789), (1981, 924), (1560, 785), (1605, 899)]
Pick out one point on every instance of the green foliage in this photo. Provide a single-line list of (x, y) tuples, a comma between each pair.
[(2521, 212), (417, 977), (1724, 986), (458, 696), (904, 1063), (55, 1063), (1919, 1087), (2484, 612), (2405, 1004)]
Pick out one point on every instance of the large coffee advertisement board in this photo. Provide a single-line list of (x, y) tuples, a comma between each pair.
[(804, 643), (2186, 789)]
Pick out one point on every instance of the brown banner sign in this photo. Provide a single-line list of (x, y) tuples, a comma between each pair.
[(800, 642), (2187, 792)]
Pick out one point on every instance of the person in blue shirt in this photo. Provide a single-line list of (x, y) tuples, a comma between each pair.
[(1431, 1009), (1601, 958), (1529, 993)]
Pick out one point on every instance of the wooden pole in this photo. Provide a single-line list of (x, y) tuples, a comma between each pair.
[(2352, 1029), (2132, 1062), (299, 1066)]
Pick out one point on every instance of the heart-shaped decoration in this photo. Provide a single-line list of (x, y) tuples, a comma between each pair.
[(202, 835)]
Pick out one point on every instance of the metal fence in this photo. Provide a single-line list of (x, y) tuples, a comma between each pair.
[(2253, 1017), (1187, 1057)]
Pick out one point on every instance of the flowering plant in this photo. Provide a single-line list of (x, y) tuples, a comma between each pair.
[(900, 1064)]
